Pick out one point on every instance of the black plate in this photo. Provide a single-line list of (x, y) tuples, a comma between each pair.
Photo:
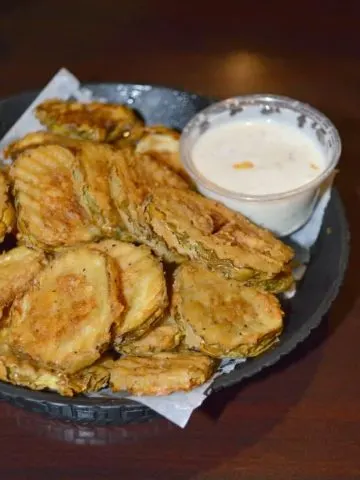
[(315, 294)]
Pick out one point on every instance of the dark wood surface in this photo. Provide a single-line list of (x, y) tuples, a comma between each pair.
[(301, 419)]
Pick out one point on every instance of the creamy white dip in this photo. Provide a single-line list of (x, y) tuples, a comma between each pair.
[(257, 157)]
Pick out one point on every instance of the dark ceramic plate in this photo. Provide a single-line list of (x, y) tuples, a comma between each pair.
[(315, 294)]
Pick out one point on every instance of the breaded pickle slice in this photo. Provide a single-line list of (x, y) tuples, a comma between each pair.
[(90, 174), (144, 288), (221, 317), (18, 267), (7, 212), (23, 373), (208, 232), (96, 121), (36, 139), (49, 213), (164, 337), (162, 143), (161, 374), (65, 320), (150, 173), (281, 282), (128, 193), (91, 179)]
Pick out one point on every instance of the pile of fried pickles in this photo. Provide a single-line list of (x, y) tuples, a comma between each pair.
[(123, 276)]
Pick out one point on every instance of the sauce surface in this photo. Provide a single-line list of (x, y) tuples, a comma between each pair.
[(257, 157)]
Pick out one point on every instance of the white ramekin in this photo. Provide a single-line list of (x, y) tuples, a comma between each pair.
[(285, 212)]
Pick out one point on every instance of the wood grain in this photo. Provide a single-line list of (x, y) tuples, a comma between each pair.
[(301, 419)]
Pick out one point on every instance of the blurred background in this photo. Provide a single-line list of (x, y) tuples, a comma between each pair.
[(221, 48)]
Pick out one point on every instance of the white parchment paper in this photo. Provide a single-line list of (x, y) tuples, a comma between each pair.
[(176, 407)]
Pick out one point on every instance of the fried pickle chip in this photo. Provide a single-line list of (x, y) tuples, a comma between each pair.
[(150, 173), (128, 193), (164, 337), (208, 232), (18, 267), (221, 317), (65, 320), (100, 122), (282, 282), (90, 175), (23, 373), (144, 288), (36, 139), (91, 180), (7, 212), (49, 213), (163, 144), (160, 374)]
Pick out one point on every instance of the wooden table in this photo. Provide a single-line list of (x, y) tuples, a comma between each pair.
[(301, 419)]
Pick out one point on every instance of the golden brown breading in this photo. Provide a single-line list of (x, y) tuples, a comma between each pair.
[(65, 320), (128, 194), (144, 288), (160, 374), (101, 122), (164, 337), (221, 317), (7, 212), (92, 378), (163, 144), (36, 139), (49, 214), (281, 282), (150, 173), (23, 373), (91, 180), (17, 269), (90, 173), (208, 232)]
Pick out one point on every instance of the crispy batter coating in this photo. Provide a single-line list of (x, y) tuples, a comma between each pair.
[(144, 288), (100, 122), (208, 232), (281, 282), (128, 194), (36, 139), (150, 173), (221, 317), (164, 337), (65, 320), (91, 180), (163, 144), (18, 267), (161, 374), (49, 213), (23, 373), (90, 173), (7, 212)]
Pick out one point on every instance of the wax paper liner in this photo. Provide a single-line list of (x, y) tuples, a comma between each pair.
[(176, 407)]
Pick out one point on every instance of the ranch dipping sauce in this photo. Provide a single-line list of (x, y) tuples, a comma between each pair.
[(257, 157), (265, 156)]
